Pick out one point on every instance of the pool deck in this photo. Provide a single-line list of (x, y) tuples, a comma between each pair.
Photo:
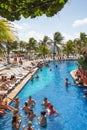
[(73, 73), (19, 87)]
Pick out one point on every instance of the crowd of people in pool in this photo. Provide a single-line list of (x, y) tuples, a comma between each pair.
[(29, 112), (28, 108)]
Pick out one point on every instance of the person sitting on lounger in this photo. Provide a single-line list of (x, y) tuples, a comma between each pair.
[(5, 105), (13, 78), (4, 86)]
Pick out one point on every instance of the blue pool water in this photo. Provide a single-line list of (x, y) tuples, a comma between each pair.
[(68, 101)]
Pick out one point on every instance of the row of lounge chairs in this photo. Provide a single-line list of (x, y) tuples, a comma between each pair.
[(12, 77)]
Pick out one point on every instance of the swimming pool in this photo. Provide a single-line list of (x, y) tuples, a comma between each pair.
[(68, 101)]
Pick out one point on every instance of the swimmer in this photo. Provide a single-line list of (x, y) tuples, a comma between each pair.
[(18, 117), (3, 112), (16, 102), (31, 102), (50, 69), (45, 102), (56, 66), (32, 78), (67, 82), (15, 123), (37, 76), (31, 115), (85, 95), (29, 126), (51, 111), (42, 121), (26, 108)]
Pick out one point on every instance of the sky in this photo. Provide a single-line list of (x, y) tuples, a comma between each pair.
[(70, 21)]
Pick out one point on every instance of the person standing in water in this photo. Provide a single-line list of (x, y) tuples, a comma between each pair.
[(66, 82)]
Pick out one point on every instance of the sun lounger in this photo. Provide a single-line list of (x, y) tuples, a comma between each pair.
[(2, 92)]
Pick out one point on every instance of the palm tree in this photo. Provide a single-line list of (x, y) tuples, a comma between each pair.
[(7, 36), (43, 50), (80, 42), (2, 49), (45, 40), (33, 43), (43, 46), (78, 45), (22, 45), (69, 48), (6, 31), (83, 38), (9, 47), (57, 40)]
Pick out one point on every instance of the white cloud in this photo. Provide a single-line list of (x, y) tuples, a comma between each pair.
[(25, 36), (17, 26), (39, 35), (36, 35), (21, 26), (25, 32), (80, 22), (70, 37)]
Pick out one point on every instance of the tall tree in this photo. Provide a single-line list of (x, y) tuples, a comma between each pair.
[(6, 31), (22, 45), (2, 49), (80, 42), (83, 39), (69, 48), (44, 41), (9, 47), (32, 43), (57, 40), (7, 36), (14, 9), (43, 50), (78, 45)]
